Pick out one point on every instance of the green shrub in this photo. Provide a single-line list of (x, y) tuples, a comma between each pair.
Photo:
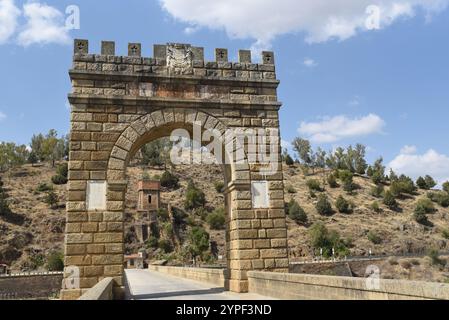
[(376, 207), (44, 187), (441, 198), (296, 213), (445, 234), (51, 198), (314, 185), (195, 198), (323, 206), (291, 189), (216, 219), (332, 181), (377, 191), (404, 185), (321, 238), (165, 246), (374, 238), (446, 186), (425, 205), (162, 213), (4, 205), (420, 216), (343, 205), (55, 261), (346, 178), (390, 201), (169, 180), (421, 183), (59, 180), (219, 185), (152, 242), (434, 256)]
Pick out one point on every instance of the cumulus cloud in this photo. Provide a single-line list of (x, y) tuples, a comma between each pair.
[(331, 130), (310, 63), (2, 116), (9, 14), (318, 20), (409, 150), (415, 165), (45, 24)]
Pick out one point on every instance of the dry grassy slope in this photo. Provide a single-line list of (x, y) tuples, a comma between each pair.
[(42, 229), (35, 228)]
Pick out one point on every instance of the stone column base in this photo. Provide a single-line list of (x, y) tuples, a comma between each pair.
[(70, 294), (238, 286)]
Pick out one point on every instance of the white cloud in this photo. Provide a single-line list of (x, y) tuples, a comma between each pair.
[(415, 165), (45, 24), (9, 14), (409, 150), (2, 116), (330, 130), (310, 63), (319, 20)]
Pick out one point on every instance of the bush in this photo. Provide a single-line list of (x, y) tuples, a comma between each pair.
[(446, 186), (291, 189), (51, 198), (44, 187), (445, 234), (376, 207), (195, 198), (162, 213), (441, 198), (390, 201), (55, 261), (377, 191), (169, 180), (4, 205), (425, 205), (289, 160), (314, 185), (421, 183), (323, 206), (332, 181), (216, 219), (59, 180), (374, 238), (165, 246), (296, 213), (404, 185), (152, 242), (343, 205), (219, 185), (321, 238), (420, 216), (434, 256), (63, 170)]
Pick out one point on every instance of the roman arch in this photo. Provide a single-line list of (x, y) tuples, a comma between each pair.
[(119, 103)]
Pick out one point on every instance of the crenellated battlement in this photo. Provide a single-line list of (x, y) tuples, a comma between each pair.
[(174, 59)]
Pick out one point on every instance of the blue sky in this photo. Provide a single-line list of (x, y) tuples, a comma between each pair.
[(340, 82)]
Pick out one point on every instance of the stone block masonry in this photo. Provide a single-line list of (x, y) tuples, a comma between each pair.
[(120, 103)]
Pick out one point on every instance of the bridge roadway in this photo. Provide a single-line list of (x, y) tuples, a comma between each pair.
[(152, 285)]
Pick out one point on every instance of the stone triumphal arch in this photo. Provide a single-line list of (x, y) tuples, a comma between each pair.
[(119, 103)]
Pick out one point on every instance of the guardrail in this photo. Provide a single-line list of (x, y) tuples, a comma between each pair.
[(31, 274)]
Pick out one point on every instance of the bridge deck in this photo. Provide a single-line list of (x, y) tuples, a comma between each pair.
[(151, 285)]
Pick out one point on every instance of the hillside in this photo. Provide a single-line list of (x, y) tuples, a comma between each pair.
[(35, 230)]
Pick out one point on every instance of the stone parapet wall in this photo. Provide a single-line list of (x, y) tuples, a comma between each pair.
[(212, 276), (30, 285), (103, 290), (314, 287)]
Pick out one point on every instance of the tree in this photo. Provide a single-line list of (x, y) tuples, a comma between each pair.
[(169, 180), (346, 178), (4, 206), (320, 159), (360, 162), (289, 160), (446, 186), (55, 261), (32, 158), (403, 185), (378, 171), (421, 183), (327, 241), (49, 146), (157, 153), (303, 149), (430, 182), (198, 241), (195, 198), (12, 155), (37, 142), (61, 176)]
